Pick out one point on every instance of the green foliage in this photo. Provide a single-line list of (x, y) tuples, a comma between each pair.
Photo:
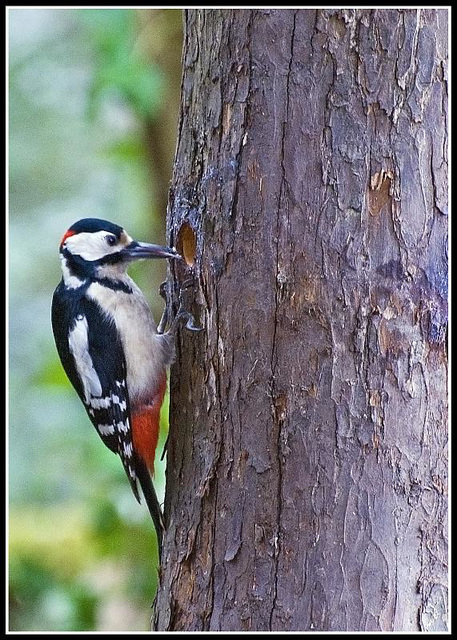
[(52, 589), (45, 592), (119, 66), (82, 551), (42, 601)]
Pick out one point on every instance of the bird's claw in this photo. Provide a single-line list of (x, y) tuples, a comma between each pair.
[(186, 316), (182, 315)]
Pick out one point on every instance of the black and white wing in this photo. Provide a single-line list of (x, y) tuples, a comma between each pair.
[(93, 358)]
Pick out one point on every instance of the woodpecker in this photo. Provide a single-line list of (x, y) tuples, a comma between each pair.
[(110, 347)]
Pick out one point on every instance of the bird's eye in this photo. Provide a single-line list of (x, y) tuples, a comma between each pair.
[(111, 240)]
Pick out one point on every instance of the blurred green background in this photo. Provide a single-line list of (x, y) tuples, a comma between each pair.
[(93, 108)]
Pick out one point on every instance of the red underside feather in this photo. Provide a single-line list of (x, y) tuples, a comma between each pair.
[(145, 426)]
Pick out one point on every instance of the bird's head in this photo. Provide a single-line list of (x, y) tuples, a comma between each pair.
[(94, 247)]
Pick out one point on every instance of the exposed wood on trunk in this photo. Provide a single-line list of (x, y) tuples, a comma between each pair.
[(306, 478)]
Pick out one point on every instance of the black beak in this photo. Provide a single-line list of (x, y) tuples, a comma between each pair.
[(136, 250)]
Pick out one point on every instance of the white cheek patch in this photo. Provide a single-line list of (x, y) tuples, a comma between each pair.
[(91, 246), (78, 343)]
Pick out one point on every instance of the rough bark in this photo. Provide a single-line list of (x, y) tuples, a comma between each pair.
[(306, 475)]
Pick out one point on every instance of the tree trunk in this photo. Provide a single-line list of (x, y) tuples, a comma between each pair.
[(306, 474)]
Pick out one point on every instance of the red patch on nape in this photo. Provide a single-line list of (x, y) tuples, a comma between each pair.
[(67, 235)]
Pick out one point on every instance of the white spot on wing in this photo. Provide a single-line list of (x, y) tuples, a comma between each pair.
[(128, 449), (78, 344), (122, 403), (123, 426), (106, 429), (100, 403)]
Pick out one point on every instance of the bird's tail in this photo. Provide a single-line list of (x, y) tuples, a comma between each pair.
[(150, 495)]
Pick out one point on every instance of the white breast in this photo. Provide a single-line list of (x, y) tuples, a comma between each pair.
[(146, 352)]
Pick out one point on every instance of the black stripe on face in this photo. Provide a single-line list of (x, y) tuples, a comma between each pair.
[(115, 285)]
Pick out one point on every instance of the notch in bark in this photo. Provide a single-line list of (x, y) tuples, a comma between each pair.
[(186, 244)]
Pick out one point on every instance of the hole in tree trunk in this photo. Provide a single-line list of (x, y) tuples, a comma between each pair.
[(187, 244)]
